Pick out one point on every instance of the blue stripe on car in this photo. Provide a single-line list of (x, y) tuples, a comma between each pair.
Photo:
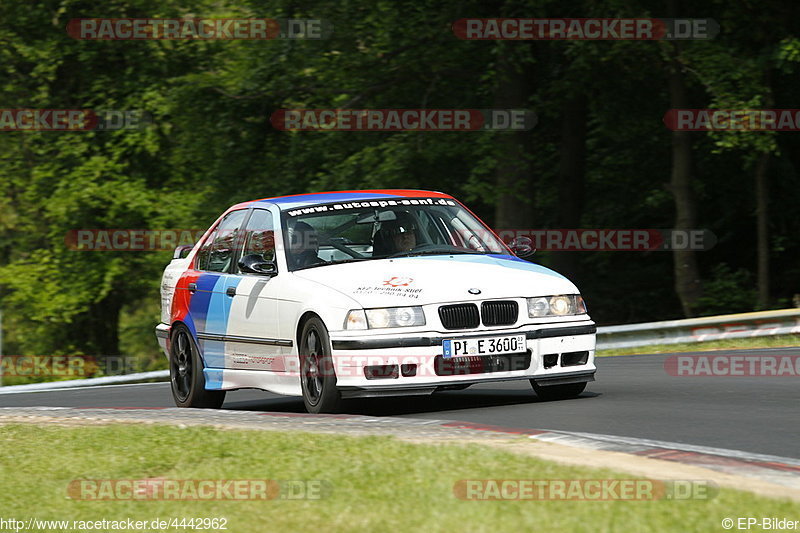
[(214, 378), (210, 309)]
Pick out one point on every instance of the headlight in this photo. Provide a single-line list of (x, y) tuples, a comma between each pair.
[(387, 317), (560, 305)]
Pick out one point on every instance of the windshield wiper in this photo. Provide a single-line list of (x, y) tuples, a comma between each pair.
[(350, 260), (339, 262), (412, 253)]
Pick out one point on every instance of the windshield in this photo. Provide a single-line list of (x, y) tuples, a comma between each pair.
[(377, 229)]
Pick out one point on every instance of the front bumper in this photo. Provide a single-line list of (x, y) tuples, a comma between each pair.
[(413, 363)]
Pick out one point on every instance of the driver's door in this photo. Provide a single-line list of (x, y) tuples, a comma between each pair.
[(252, 341), (209, 306)]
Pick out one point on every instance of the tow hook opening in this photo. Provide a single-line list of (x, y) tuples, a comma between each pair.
[(550, 360)]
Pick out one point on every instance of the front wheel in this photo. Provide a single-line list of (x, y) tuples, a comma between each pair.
[(186, 373), (317, 376), (558, 392)]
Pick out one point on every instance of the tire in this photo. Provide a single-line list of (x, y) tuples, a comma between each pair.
[(317, 375), (558, 392), (186, 373)]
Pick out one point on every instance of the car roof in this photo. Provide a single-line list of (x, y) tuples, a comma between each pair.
[(305, 200)]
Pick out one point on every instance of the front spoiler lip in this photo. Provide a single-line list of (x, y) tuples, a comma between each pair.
[(412, 342), (162, 331), (423, 389)]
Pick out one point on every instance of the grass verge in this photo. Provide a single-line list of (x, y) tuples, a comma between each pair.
[(377, 483), (777, 341)]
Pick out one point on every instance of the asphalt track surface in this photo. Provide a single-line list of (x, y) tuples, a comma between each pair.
[(633, 397)]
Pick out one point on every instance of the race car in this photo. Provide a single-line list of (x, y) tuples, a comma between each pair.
[(360, 294)]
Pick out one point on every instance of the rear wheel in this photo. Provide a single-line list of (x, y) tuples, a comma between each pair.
[(317, 375), (558, 392), (186, 373)]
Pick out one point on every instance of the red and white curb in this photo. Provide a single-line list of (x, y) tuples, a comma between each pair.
[(779, 470)]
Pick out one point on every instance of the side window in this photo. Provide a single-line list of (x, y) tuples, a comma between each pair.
[(218, 251), (201, 260), (259, 235)]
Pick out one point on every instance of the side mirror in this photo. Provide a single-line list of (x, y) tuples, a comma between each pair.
[(522, 247), (255, 264), (182, 251)]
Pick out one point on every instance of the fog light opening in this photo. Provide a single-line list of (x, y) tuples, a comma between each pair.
[(381, 372), (574, 358)]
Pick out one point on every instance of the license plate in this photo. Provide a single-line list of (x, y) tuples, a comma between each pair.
[(483, 346)]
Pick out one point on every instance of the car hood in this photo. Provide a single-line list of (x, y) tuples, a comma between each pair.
[(436, 279)]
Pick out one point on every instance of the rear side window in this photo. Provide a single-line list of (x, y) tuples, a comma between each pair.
[(217, 252)]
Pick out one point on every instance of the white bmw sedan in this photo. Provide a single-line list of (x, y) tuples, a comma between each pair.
[(360, 294)]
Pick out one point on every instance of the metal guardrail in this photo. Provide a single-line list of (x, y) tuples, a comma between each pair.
[(91, 382), (758, 324), (710, 328)]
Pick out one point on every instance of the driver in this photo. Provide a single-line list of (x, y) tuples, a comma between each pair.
[(303, 246), (401, 233)]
